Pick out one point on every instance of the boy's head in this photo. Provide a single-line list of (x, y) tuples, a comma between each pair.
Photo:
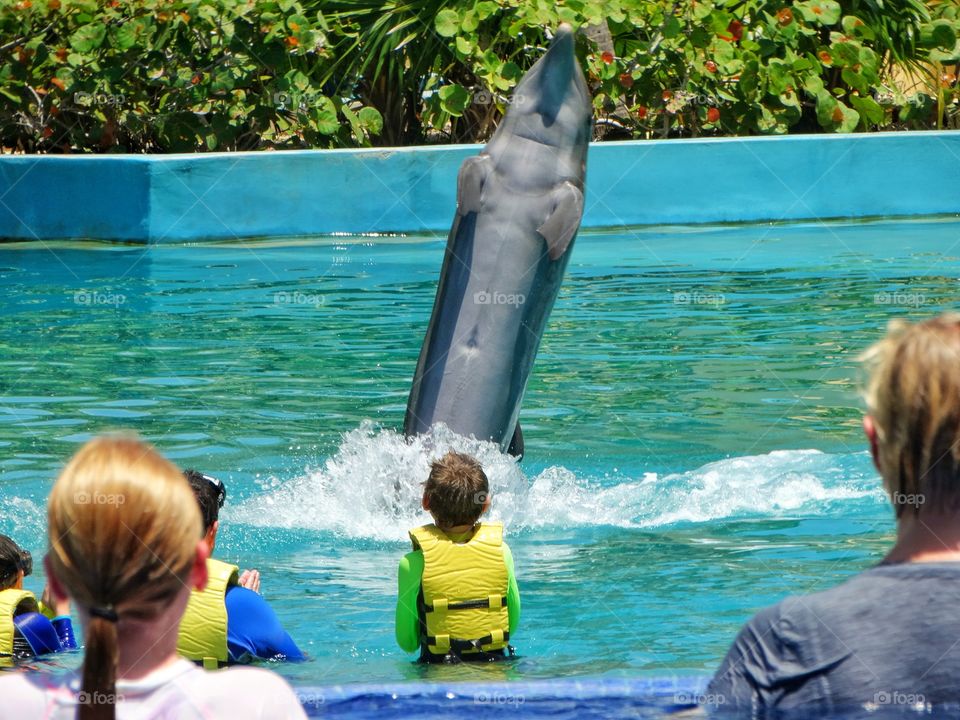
[(457, 491), (913, 406), (210, 494)]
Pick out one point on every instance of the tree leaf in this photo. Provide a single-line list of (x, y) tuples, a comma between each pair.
[(88, 37), (855, 27), (819, 12), (371, 119), (454, 99), (870, 110), (325, 115), (447, 23)]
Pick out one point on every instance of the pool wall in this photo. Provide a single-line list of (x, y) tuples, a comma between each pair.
[(227, 196), (564, 697)]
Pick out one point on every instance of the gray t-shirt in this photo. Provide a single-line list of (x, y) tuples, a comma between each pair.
[(888, 637)]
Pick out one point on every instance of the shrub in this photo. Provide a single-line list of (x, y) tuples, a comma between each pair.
[(163, 76), (193, 75), (718, 67)]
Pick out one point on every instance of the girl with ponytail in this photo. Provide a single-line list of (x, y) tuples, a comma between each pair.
[(125, 547)]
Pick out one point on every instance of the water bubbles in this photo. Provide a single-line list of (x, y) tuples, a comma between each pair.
[(371, 488)]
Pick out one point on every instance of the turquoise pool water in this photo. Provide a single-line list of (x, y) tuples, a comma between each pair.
[(692, 423)]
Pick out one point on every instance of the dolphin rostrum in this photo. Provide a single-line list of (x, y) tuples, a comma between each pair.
[(519, 204)]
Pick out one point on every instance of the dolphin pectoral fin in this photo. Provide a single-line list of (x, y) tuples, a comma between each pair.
[(561, 225), (473, 173), (516, 443)]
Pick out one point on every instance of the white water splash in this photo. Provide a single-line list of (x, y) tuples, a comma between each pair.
[(371, 488), (25, 521)]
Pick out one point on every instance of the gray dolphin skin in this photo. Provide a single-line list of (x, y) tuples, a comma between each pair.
[(519, 205)]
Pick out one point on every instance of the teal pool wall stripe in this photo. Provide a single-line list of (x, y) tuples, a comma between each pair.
[(49, 197), (176, 198)]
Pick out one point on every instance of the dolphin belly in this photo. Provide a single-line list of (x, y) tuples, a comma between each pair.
[(519, 205)]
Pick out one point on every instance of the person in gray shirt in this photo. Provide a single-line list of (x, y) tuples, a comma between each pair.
[(888, 638)]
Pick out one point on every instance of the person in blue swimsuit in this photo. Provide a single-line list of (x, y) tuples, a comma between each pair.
[(228, 622), (28, 627)]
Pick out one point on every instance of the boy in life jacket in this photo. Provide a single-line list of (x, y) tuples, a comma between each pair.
[(458, 597), (228, 622), (28, 628)]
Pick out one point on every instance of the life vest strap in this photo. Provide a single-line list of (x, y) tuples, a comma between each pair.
[(494, 602), (446, 643)]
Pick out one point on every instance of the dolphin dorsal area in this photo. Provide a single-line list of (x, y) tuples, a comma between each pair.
[(519, 206)]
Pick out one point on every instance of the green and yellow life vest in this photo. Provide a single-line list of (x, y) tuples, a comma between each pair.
[(464, 591), (203, 629), (12, 603)]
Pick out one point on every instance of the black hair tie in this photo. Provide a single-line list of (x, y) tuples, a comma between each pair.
[(105, 613)]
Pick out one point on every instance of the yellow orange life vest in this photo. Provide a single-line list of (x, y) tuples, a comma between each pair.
[(203, 629), (464, 589), (12, 603)]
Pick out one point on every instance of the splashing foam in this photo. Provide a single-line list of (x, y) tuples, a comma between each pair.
[(371, 488), (25, 521)]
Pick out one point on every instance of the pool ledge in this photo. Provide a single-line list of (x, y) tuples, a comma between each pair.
[(229, 196), (468, 699)]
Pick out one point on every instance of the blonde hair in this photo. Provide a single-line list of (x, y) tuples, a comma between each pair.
[(123, 526), (913, 396)]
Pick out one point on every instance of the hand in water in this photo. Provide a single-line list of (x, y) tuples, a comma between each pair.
[(250, 579), (62, 607)]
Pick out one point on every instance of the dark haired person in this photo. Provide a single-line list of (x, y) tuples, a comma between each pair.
[(458, 597), (28, 628), (887, 637), (228, 621)]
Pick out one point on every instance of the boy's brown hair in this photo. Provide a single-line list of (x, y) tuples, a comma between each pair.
[(456, 490)]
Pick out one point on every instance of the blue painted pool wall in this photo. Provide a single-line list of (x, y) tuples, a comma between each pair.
[(52, 197), (304, 193), (411, 190), (632, 697)]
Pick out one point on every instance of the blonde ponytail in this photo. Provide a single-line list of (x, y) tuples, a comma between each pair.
[(123, 527)]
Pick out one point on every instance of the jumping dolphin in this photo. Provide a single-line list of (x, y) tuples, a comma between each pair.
[(519, 204)]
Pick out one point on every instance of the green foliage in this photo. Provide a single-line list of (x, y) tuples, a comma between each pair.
[(193, 75), (169, 76)]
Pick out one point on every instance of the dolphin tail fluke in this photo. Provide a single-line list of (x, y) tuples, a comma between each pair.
[(562, 224), (516, 443)]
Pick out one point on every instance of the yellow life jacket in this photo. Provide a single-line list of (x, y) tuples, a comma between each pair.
[(12, 603), (203, 629), (464, 589)]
